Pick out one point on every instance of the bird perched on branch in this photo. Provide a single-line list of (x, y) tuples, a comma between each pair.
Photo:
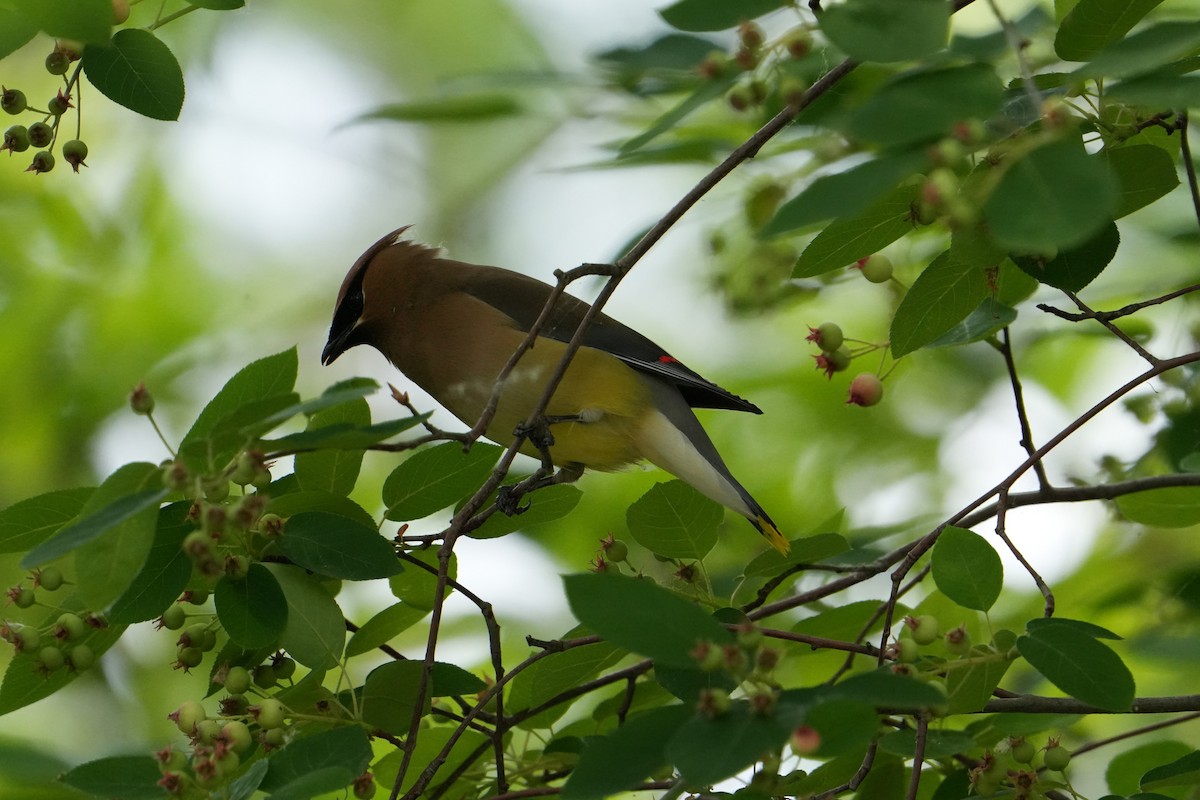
[(450, 327)]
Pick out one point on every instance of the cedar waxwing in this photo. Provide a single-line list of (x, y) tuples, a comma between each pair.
[(450, 327)]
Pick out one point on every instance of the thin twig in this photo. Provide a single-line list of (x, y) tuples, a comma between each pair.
[(1123, 311), (1014, 381), (1154, 726), (1188, 166), (821, 642), (1114, 330), (1033, 704), (1001, 517), (864, 770), (914, 783)]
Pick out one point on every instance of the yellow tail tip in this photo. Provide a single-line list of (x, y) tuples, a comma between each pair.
[(777, 539)]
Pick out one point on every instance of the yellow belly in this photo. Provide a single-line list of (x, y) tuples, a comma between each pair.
[(597, 386)]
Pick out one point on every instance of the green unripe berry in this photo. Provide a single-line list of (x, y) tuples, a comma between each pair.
[(50, 578), (69, 626), (226, 763), (270, 525), (616, 551), (188, 716), (1022, 751), (245, 469), (798, 42), (16, 139), (22, 596), (193, 635), (876, 268), (262, 478), (174, 617), (81, 657), (828, 336), (906, 650), (284, 668), (739, 98), (43, 161), (189, 657), (237, 734), (51, 658), (40, 134), (364, 787), (1056, 757), (265, 676), (207, 730), (216, 490), (269, 714), (12, 101), (176, 477), (237, 566), (925, 629), (58, 62), (958, 641), (58, 105), (170, 760), (197, 597), (27, 639), (140, 400), (198, 545), (237, 680)]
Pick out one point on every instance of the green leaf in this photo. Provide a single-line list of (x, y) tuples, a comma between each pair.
[(887, 30), (294, 503), (1090, 628), (805, 550), (137, 71), (970, 686), (1144, 173), (417, 586), (435, 478), (544, 505), (1145, 50), (884, 688), (708, 91), (1075, 268), (429, 746), (16, 30), (346, 748), (318, 782), (268, 377), (924, 105), (245, 785), (987, 318), (706, 750), (119, 500), (389, 695), (127, 777), (554, 674), (675, 520), (383, 627), (1093, 25), (315, 633), (464, 108), (846, 192), (849, 238), (673, 52), (237, 430), (640, 616), (843, 622), (942, 296), (253, 610), (1125, 770), (1056, 196), (1183, 771), (715, 15), (165, 573), (218, 5), (88, 21), (622, 759), (938, 743), (1157, 90), (105, 565), (1169, 507), (342, 436), (24, 684), (845, 726), (337, 546), (30, 522), (967, 569), (1079, 665)]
